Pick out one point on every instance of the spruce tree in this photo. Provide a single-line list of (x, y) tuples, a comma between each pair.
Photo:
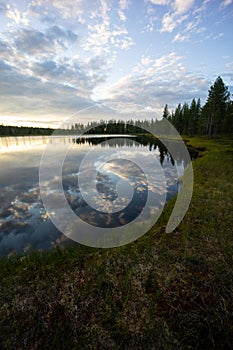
[(166, 113), (214, 111)]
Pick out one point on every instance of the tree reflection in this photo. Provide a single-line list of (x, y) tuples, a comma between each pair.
[(152, 143)]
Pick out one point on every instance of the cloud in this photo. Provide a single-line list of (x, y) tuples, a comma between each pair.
[(194, 25), (4, 67), (191, 26), (168, 23), (65, 9), (218, 36), (101, 39), (202, 7), (229, 66), (123, 5), (171, 21), (151, 86), (57, 33), (151, 19), (201, 30), (182, 6), (180, 38), (146, 60), (53, 90), (226, 3), (83, 76), (160, 2), (41, 71), (16, 16), (34, 42), (176, 15), (64, 57), (5, 50)]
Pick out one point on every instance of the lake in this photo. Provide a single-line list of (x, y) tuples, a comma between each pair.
[(115, 196)]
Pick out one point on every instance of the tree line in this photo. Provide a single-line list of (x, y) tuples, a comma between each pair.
[(214, 118), (6, 130)]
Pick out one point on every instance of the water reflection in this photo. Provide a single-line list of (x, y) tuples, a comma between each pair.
[(24, 224), (151, 143)]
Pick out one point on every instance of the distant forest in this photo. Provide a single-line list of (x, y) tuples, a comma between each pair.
[(6, 130), (212, 119)]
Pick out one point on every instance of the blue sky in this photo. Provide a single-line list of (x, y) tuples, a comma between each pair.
[(64, 57)]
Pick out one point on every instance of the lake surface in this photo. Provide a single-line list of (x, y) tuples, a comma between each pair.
[(24, 223)]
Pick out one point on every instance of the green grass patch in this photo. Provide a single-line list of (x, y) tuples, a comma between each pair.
[(164, 291)]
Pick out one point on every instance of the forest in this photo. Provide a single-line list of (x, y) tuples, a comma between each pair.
[(7, 130), (214, 118)]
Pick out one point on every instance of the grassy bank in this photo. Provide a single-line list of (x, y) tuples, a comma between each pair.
[(164, 291)]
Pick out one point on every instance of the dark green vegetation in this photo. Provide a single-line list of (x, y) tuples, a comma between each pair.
[(23, 131), (164, 291), (214, 118), (113, 126)]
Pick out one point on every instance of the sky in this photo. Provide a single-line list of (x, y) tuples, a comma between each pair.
[(108, 58)]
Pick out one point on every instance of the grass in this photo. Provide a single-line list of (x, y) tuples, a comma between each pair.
[(164, 291)]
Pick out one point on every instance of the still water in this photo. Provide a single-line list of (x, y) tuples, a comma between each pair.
[(24, 223)]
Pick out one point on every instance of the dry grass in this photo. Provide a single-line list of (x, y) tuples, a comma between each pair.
[(161, 292)]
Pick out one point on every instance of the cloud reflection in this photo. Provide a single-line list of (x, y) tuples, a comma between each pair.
[(24, 224)]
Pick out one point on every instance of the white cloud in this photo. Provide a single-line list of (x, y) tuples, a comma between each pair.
[(123, 5), (163, 80), (182, 6), (166, 61), (121, 15), (168, 23), (201, 30), (225, 3), (218, 36), (190, 26), (16, 16), (104, 12), (175, 17), (101, 38), (160, 2), (146, 60), (202, 7), (229, 66), (103, 33), (180, 38), (67, 9), (151, 19), (171, 21)]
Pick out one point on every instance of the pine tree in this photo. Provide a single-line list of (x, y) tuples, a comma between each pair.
[(178, 118), (228, 125), (195, 111), (186, 118), (214, 111), (166, 113)]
